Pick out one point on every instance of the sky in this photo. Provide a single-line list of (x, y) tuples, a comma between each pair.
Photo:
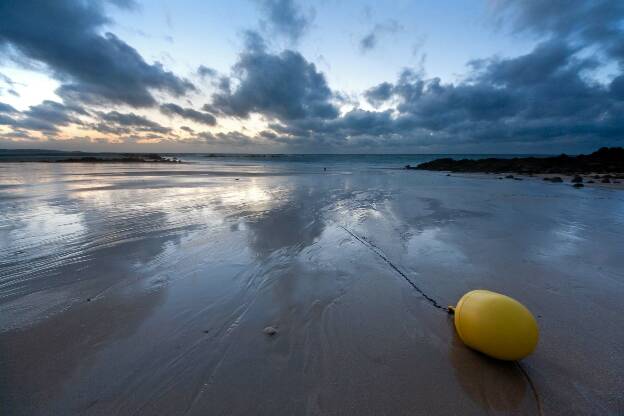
[(315, 76)]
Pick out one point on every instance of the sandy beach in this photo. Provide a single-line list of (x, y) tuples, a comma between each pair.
[(146, 289)]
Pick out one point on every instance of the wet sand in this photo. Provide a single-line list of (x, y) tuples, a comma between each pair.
[(146, 290)]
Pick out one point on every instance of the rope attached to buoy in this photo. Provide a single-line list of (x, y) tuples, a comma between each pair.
[(450, 309), (372, 247)]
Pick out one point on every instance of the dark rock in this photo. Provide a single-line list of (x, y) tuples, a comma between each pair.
[(124, 158), (577, 179), (509, 176), (604, 160), (590, 181), (605, 180), (578, 185)]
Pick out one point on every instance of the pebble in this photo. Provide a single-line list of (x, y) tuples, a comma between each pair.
[(270, 331)]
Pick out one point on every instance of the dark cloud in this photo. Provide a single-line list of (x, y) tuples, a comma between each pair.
[(7, 109), (46, 117), (8, 81), (283, 86), (254, 41), (587, 22), (5, 79), (114, 122), (49, 116), (6, 120), (370, 40), (125, 4), (616, 88), (65, 36), (206, 72), (17, 134), (284, 17), (557, 93), (379, 94), (234, 138), (543, 97), (546, 96), (535, 97), (268, 134), (171, 109)]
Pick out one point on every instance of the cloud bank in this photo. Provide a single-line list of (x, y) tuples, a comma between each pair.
[(64, 36), (555, 95)]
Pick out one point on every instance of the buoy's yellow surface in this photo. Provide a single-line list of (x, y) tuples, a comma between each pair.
[(496, 325)]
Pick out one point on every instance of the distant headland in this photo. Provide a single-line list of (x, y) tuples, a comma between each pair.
[(605, 160), (59, 156)]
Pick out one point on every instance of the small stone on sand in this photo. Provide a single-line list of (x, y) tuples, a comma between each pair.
[(270, 331)]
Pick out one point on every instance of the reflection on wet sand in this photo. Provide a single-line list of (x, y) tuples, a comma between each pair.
[(83, 308), (148, 293), (294, 223), (494, 385), (38, 360)]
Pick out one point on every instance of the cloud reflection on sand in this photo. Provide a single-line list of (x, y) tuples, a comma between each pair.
[(135, 290)]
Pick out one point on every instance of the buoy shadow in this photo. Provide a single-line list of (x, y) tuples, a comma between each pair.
[(490, 383)]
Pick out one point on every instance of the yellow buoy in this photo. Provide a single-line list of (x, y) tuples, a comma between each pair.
[(496, 325)]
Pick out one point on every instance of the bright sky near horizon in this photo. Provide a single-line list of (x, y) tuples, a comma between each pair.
[(312, 76)]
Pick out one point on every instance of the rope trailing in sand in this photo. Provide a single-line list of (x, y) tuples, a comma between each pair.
[(372, 247), (379, 253), (538, 401)]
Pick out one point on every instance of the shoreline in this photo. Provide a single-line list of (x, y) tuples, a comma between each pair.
[(589, 180)]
